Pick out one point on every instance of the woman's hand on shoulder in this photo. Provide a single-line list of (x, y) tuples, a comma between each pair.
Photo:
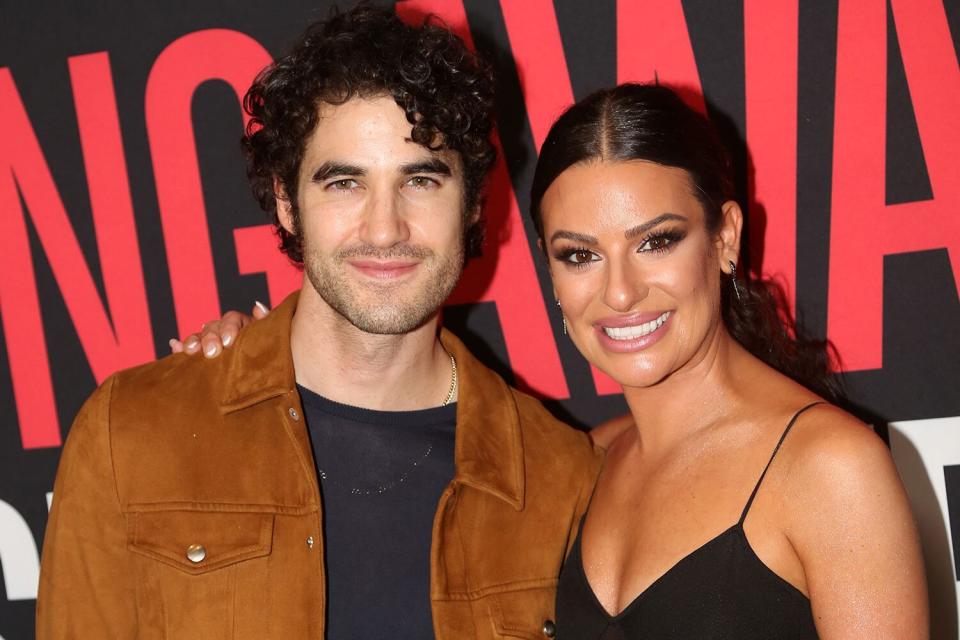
[(215, 335), (853, 531)]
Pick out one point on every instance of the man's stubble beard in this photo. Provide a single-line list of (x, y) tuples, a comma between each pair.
[(391, 308)]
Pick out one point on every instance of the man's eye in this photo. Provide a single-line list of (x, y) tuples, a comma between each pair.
[(344, 184), (421, 182)]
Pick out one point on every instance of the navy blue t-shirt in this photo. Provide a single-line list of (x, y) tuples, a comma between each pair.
[(381, 476)]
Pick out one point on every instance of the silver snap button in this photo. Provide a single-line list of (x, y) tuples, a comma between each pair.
[(549, 629), (294, 414), (310, 542), (196, 553)]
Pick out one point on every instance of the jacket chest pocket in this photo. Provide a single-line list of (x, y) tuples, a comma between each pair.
[(527, 613), (198, 569)]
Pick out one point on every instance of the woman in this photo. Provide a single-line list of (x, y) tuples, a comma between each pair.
[(734, 502)]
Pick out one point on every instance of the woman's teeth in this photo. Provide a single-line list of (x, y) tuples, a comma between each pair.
[(638, 331)]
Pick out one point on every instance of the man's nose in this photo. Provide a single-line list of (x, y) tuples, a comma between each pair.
[(383, 224)]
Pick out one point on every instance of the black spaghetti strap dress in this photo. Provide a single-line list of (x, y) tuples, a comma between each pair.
[(722, 590)]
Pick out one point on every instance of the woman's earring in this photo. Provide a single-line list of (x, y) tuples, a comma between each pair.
[(733, 277), (563, 318)]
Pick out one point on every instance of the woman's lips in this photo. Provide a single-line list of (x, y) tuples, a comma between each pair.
[(632, 333)]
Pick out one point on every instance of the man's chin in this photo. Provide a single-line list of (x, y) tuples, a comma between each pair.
[(390, 323), (383, 308), (377, 315)]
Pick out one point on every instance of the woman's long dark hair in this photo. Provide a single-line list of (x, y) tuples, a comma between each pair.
[(650, 122)]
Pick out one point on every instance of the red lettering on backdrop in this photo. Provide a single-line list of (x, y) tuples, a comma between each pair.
[(863, 228), (505, 274), (538, 51), (258, 252), (19, 302), (212, 54), (653, 43), (771, 37), (545, 81), (128, 340)]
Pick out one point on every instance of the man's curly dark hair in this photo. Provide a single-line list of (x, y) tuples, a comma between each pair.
[(445, 90)]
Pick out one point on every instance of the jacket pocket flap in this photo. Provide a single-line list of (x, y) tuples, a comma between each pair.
[(524, 613), (200, 541)]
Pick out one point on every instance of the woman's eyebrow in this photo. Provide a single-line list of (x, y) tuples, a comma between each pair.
[(640, 229), (630, 233), (572, 235)]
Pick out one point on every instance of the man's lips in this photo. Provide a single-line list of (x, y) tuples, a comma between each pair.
[(384, 269)]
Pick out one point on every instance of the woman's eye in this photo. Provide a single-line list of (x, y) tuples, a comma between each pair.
[(655, 244), (659, 243), (581, 256)]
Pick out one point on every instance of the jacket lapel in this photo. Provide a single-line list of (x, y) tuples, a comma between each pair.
[(262, 365), (489, 446)]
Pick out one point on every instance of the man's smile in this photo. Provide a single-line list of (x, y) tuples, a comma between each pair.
[(384, 269)]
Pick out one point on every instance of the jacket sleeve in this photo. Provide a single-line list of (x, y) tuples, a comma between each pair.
[(587, 471), (86, 587)]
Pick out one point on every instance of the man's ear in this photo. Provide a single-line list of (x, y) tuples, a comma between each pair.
[(284, 207), (474, 215), (728, 238)]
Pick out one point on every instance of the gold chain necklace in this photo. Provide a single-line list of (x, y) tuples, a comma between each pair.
[(453, 381)]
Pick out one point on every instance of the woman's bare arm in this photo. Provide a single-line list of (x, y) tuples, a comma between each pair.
[(853, 530)]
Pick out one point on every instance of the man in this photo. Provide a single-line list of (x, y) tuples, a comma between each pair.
[(344, 471)]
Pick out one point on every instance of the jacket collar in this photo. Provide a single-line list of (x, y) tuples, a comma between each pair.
[(488, 452), (260, 364), (489, 446)]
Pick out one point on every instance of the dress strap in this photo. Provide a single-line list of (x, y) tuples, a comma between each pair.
[(783, 437)]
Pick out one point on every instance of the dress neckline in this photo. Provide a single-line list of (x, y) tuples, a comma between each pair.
[(735, 530)]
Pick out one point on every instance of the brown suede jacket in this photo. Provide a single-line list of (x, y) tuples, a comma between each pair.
[(186, 505)]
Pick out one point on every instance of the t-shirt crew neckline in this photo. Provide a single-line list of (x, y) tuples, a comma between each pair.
[(418, 417)]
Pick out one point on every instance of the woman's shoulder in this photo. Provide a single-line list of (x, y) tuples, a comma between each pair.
[(823, 438), (848, 518), (838, 470), (828, 444), (606, 432)]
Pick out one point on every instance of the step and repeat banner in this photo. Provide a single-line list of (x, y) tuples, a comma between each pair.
[(125, 216)]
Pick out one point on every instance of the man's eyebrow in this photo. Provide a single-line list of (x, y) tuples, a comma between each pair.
[(572, 235), (640, 229), (435, 166), (329, 169)]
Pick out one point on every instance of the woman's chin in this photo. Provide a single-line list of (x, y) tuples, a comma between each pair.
[(628, 373)]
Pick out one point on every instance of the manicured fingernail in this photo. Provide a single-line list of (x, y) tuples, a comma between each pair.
[(172, 343), (227, 340), (262, 307), (211, 351), (191, 343)]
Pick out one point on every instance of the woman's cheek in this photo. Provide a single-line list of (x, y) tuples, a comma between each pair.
[(574, 291)]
